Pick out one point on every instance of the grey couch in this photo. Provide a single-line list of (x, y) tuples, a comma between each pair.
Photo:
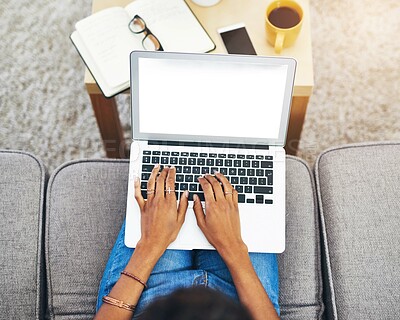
[(341, 262)]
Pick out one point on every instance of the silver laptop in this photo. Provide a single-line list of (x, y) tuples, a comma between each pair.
[(204, 113)]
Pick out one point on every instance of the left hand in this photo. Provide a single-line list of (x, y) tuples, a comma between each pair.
[(161, 219)]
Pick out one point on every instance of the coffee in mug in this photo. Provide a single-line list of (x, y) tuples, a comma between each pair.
[(283, 22)]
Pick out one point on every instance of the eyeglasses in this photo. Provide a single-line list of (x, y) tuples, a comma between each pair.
[(150, 41)]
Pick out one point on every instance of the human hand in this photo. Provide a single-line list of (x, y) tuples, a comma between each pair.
[(221, 223), (161, 220)]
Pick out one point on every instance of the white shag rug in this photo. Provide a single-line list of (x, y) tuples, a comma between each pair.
[(44, 107)]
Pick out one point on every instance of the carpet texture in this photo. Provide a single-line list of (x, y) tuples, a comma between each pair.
[(44, 107)]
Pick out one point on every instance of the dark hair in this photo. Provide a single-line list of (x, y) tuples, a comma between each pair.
[(196, 303)]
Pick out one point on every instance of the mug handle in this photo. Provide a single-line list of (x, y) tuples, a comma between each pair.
[(280, 37)]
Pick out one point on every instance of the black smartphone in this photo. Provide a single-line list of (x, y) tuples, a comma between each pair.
[(237, 40)]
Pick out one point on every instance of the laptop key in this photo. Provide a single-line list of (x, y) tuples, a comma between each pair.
[(180, 177), (244, 180), (196, 170), (268, 157), (183, 186), (248, 189), (183, 161), (224, 171), (239, 189), (187, 169), (145, 176), (259, 198), (164, 160), (234, 180), (241, 198), (240, 156), (156, 153), (193, 187), (147, 167), (266, 164), (250, 172), (241, 172), (199, 194), (246, 163), (237, 163), (188, 178), (262, 181), (155, 160), (250, 200), (255, 164), (253, 181), (201, 161), (147, 152), (262, 190), (210, 162), (260, 172), (232, 171), (192, 161), (174, 154), (146, 159), (205, 170), (194, 154), (165, 153), (231, 156), (173, 160), (268, 201), (178, 169)]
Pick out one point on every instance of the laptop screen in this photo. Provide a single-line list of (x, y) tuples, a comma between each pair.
[(189, 98)]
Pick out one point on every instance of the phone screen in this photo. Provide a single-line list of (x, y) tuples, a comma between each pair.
[(237, 41)]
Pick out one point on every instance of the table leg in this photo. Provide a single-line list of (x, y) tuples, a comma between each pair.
[(296, 120), (106, 112)]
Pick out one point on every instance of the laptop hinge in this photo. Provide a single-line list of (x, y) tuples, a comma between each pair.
[(208, 144)]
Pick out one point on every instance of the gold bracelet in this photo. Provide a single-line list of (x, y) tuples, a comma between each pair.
[(130, 275), (118, 303)]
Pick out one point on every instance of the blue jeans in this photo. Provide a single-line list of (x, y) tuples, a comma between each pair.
[(182, 269)]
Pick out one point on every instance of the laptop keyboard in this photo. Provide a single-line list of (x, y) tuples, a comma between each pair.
[(250, 175)]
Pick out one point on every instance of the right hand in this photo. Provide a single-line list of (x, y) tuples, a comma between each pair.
[(221, 223)]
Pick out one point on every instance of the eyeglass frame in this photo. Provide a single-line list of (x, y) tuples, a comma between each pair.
[(145, 30)]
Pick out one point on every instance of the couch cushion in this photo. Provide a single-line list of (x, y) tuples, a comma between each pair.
[(299, 266), (22, 185), (85, 208), (86, 203), (359, 196)]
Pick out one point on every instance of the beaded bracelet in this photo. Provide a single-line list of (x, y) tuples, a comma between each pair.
[(119, 303), (130, 275)]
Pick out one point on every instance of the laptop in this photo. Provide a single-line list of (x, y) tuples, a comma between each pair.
[(208, 112)]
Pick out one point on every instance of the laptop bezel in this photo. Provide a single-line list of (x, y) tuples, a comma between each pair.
[(277, 61)]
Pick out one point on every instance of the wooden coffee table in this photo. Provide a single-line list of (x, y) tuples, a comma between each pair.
[(227, 12)]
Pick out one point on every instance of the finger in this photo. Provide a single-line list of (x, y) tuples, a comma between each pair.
[(228, 188), (183, 205), (207, 189), (199, 212), (235, 197), (170, 185), (138, 194), (160, 190), (151, 184), (218, 193)]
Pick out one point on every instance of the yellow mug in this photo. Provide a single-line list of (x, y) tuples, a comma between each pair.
[(283, 22)]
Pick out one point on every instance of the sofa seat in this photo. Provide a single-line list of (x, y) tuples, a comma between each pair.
[(86, 203)]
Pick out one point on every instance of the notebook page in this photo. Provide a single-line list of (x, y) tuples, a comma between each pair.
[(109, 42), (173, 23)]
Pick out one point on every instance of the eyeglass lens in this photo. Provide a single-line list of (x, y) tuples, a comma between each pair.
[(151, 43), (137, 25)]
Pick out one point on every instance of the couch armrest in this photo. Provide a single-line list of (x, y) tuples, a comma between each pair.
[(359, 199), (22, 189)]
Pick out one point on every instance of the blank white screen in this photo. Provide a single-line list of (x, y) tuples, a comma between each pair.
[(191, 97)]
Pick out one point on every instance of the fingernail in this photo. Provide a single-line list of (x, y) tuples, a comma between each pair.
[(195, 197), (157, 165), (186, 193), (172, 167)]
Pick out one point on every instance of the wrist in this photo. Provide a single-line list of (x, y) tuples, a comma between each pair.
[(235, 254), (143, 259)]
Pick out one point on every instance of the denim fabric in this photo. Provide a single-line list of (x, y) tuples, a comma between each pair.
[(182, 269)]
